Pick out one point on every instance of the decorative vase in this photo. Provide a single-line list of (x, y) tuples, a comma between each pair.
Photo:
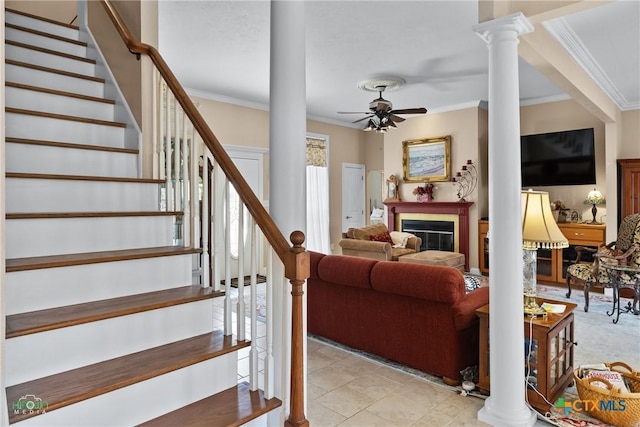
[(425, 198)]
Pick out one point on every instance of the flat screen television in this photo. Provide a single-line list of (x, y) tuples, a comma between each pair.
[(558, 158)]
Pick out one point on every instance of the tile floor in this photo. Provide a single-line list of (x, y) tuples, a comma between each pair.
[(345, 389)]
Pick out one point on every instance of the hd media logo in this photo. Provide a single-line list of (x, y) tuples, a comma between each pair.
[(29, 404)]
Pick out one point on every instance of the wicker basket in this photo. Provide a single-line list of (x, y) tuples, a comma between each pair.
[(630, 416)]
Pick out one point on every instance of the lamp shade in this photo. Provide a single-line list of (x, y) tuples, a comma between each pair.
[(594, 198), (539, 229)]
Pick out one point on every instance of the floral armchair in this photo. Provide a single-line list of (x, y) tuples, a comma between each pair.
[(624, 251)]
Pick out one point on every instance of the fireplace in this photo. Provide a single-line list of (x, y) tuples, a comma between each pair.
[(438, 235), (441, 225)]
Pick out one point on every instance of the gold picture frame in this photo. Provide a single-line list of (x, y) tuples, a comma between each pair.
[(427, 160)]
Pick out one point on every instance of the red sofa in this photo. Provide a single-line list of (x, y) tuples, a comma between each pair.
[(418, 315)]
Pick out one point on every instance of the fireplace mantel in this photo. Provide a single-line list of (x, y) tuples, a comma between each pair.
[(456, 208)]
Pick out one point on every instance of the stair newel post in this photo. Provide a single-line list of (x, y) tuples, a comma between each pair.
[(297, 270), (228, 327), (253, 298), (241, 305)]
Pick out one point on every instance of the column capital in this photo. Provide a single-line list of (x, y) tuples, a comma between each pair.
[(515, 22)]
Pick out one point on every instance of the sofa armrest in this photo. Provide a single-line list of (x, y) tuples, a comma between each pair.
[(357, 247), (465, 313), (414, 243)]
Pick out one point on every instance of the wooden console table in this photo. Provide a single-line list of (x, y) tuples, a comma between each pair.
[(550, 366), (552, 263)]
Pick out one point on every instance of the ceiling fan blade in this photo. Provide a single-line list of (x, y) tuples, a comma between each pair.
[(364, 118), (354, 112), (420, 110), (395, 118)]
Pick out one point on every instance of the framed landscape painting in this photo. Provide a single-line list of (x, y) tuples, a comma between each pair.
[(427, 160)]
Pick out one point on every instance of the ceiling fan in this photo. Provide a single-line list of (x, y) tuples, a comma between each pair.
[(381, 114)]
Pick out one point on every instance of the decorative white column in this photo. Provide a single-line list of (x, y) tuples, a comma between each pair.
[(287, 164), (507, 404)]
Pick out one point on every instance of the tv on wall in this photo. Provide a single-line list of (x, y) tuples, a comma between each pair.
[(558, 158)]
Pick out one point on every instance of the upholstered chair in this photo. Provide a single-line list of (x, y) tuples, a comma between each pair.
[(624, 251)]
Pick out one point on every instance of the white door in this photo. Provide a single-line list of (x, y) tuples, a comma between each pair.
[(353, 201), (249, 162)]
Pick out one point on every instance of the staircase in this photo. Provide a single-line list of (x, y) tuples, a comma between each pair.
[(104, 325)]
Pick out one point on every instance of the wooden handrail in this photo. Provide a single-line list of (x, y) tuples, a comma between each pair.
[(295, 258), (264, 221)]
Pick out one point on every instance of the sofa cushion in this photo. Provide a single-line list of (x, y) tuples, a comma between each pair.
[(382, 237), (314, 259), (446, 284), (363, 233), (396, 253), (346, 271)]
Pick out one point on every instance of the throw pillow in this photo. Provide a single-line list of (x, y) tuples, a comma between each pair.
[(382, 237)]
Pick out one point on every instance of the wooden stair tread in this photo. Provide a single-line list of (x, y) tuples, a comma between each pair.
[(232, 407), (64, 117), (40, 18), (71, 145), (43, 215), (50, 51), (59, 92), (53, 70), (83, 178), (44, 34), (79, 384), (67, 260), (76, 314)]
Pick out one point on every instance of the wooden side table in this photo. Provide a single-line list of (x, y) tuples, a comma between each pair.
[(550, 366)]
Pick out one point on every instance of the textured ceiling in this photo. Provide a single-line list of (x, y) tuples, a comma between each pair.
[(220, 49)]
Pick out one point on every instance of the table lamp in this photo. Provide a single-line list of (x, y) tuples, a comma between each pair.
[(594, 198), (539, 231)]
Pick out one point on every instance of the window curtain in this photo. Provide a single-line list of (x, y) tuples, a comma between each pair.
[(317, 197)]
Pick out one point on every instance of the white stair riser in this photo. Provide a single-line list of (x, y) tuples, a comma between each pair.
[(69, 161), (44, 237), (36, 24), (43, 59), (50, 129), (17, 35), (26, 99), (52, 195), (46, 353), (146, 400), (18, 74), (92, 282)]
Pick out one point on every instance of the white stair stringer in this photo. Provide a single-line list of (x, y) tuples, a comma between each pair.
[(25, 290), (40, 25), (68, 47), (50, 352), (27, 99), (146, 400), (54, 129), (46, 59), (21, 73), (79, 195), (53, 236), (23, 158)]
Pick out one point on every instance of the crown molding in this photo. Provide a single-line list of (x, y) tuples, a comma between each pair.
[(561, 30)]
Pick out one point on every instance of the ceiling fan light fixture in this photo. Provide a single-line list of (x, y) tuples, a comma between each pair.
[(370, 126)]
